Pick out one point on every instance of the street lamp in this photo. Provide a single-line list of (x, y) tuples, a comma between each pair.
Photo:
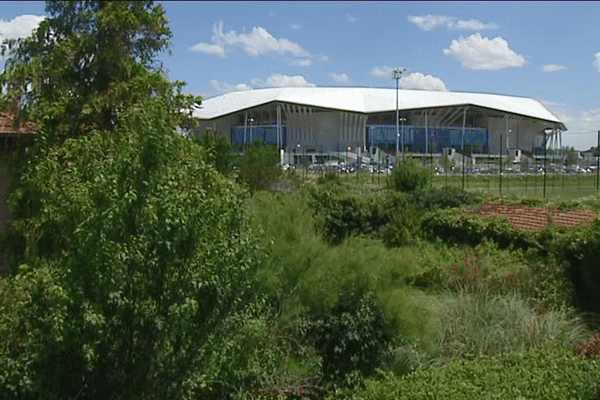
[(397, 72), (251, 120), (402, 130), (546, 131)]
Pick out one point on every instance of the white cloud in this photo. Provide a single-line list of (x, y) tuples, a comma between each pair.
[(597, 61), (211, 49), (477, 52), (225, 87), (256, 43), (418, 80), (19, 27), (553, 67), (295, 26), (340, 78), (383, 72), (582, 125), (350, 18), (429, 22), (324, 58), (302, 62), (473, 24), (280, 80)]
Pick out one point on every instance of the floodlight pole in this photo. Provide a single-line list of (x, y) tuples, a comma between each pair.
[(545, 162), (598, 163), (396, 75)]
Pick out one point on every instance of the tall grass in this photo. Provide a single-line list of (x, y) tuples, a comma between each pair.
[(482, 323), (305, 273)]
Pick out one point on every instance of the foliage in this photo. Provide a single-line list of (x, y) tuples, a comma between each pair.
[(218, 149), (341, 214), (352, 337), (259, 165), (456, 227), (139, 252), (482, 323), (330, 177), (408, 176), (87, 63), (551, 373), (444, 197), (580, 249)]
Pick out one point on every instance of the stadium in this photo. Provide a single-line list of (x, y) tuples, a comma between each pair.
[(317, 125)]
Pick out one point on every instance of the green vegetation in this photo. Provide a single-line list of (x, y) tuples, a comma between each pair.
[(145, 264)]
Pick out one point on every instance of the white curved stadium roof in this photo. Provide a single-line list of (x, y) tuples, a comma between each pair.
[(369, 100)]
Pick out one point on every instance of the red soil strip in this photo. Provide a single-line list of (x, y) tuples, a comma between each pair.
[(531, 218)]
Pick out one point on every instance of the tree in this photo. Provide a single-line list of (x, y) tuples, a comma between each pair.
[(133, 255), (258, 166), (86, 64), (409, 176)]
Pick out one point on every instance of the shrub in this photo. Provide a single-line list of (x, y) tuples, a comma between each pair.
[(352, 337), (218, 150), (552, 374), (341, 214), (409, 176), (259, 165), (136, 254), (444, 197)]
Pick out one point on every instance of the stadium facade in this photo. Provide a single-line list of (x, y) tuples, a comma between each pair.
[(338, 120)]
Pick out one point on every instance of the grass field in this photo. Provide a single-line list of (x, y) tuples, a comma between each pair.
[(558, 187)]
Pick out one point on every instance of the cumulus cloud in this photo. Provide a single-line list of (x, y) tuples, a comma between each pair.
[(256, 43), (418, 80), (582, 125), (477, 52), (225, 87), (208, 48), (295, 26), (350, 18), (413, 80), (281, 80), (553, 68), (383, 72), (324, 58), (302, 62), (429, 22), (18, 27), (340, 78), (597, 61)]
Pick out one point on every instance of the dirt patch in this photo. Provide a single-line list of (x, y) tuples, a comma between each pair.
[(531, 218)]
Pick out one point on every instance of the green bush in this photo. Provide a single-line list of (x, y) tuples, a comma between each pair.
[(444, 197), (409, 176), (341, 214), (352, 338), (218, 149), (259, 165), (136, 254), (552, 374)]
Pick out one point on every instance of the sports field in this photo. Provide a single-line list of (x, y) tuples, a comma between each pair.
[(555, 187)]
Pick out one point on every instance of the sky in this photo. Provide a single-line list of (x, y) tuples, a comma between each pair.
[(548, 51)]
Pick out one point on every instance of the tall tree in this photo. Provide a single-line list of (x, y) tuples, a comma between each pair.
[(86, 63), (133, 255)]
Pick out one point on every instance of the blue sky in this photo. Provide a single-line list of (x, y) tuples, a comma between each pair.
[(549, 51)]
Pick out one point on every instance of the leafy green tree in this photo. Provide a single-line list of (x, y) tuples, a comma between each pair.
[(408, 176), (136, 253), (132, 255), (86, 64), (219, 149), (259, 165)]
